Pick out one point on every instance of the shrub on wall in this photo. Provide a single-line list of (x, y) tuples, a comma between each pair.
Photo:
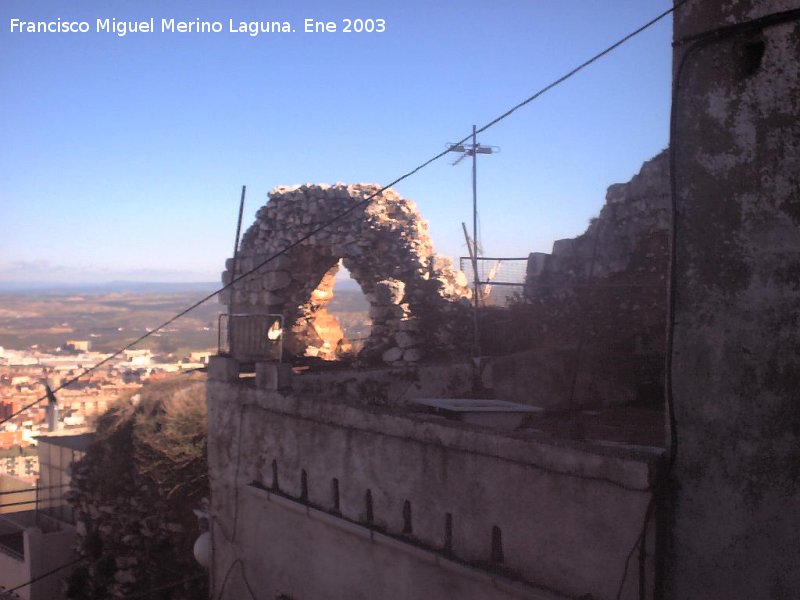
[(134, 491)]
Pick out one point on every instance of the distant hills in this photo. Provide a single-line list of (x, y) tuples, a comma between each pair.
[(111, 315), (50, 287)]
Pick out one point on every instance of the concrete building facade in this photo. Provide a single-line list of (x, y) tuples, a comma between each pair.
[(38, 541), (317, 498)]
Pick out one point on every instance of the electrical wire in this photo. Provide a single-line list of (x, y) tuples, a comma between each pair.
[(25, 503), (359, 204), (577, 69), (34, 489), (42, 576), (79, 559), (637, 544), (164, 587), (244, 578)]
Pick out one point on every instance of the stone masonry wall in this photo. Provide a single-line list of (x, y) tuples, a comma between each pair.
[(594, 309), (413, 292)]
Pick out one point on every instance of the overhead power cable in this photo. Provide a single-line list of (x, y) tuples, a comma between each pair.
[(33, 489), (579, 68), (40, 577), (166, 586), (77, 560), (359, 204)]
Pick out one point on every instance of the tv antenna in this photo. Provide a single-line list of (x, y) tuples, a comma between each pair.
[(473, 150)]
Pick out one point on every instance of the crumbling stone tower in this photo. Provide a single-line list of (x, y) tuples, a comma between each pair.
[(414, 294)]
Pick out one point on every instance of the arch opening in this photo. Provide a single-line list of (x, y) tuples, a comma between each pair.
[(350, 306)]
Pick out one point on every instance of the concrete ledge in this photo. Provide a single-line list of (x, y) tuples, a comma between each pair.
[(223, 368), (497, 414), (273, 376)]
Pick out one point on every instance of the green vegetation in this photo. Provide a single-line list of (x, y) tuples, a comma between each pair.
[(134, 491)]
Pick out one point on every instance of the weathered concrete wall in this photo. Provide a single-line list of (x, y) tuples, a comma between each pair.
[(736, 502), (307, 553), (44, 548), (567, 514), (47, 551), (13, 571)]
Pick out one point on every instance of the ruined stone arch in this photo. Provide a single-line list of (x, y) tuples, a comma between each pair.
[(417, 301)]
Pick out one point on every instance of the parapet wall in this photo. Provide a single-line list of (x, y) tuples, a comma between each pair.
[(544, 514)]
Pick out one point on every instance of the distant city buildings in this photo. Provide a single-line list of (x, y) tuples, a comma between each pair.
[(24, 373), (37, 527), (78, 345)]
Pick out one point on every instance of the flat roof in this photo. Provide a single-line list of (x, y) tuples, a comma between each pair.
[(79, 442)]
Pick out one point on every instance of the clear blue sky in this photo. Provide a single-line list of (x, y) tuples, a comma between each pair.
[(123, 157)]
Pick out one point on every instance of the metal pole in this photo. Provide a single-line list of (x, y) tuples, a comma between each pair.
[(236, 253), (235, 266), (476, 278), (239, 224)]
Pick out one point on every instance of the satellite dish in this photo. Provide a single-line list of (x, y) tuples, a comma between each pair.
[(202, 549)]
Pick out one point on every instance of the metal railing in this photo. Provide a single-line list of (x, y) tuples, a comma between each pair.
[(251, 338), (41, 500), (499, 278)]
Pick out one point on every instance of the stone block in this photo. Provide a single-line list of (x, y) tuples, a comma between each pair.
[(412, 354), (411, 325), (273, 376), (441, 263), (389, 291), (223, 368), (537, 262), (563, 246), (379, 313), (276, 280), (405, 339), (272, 299), (392, 355)]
